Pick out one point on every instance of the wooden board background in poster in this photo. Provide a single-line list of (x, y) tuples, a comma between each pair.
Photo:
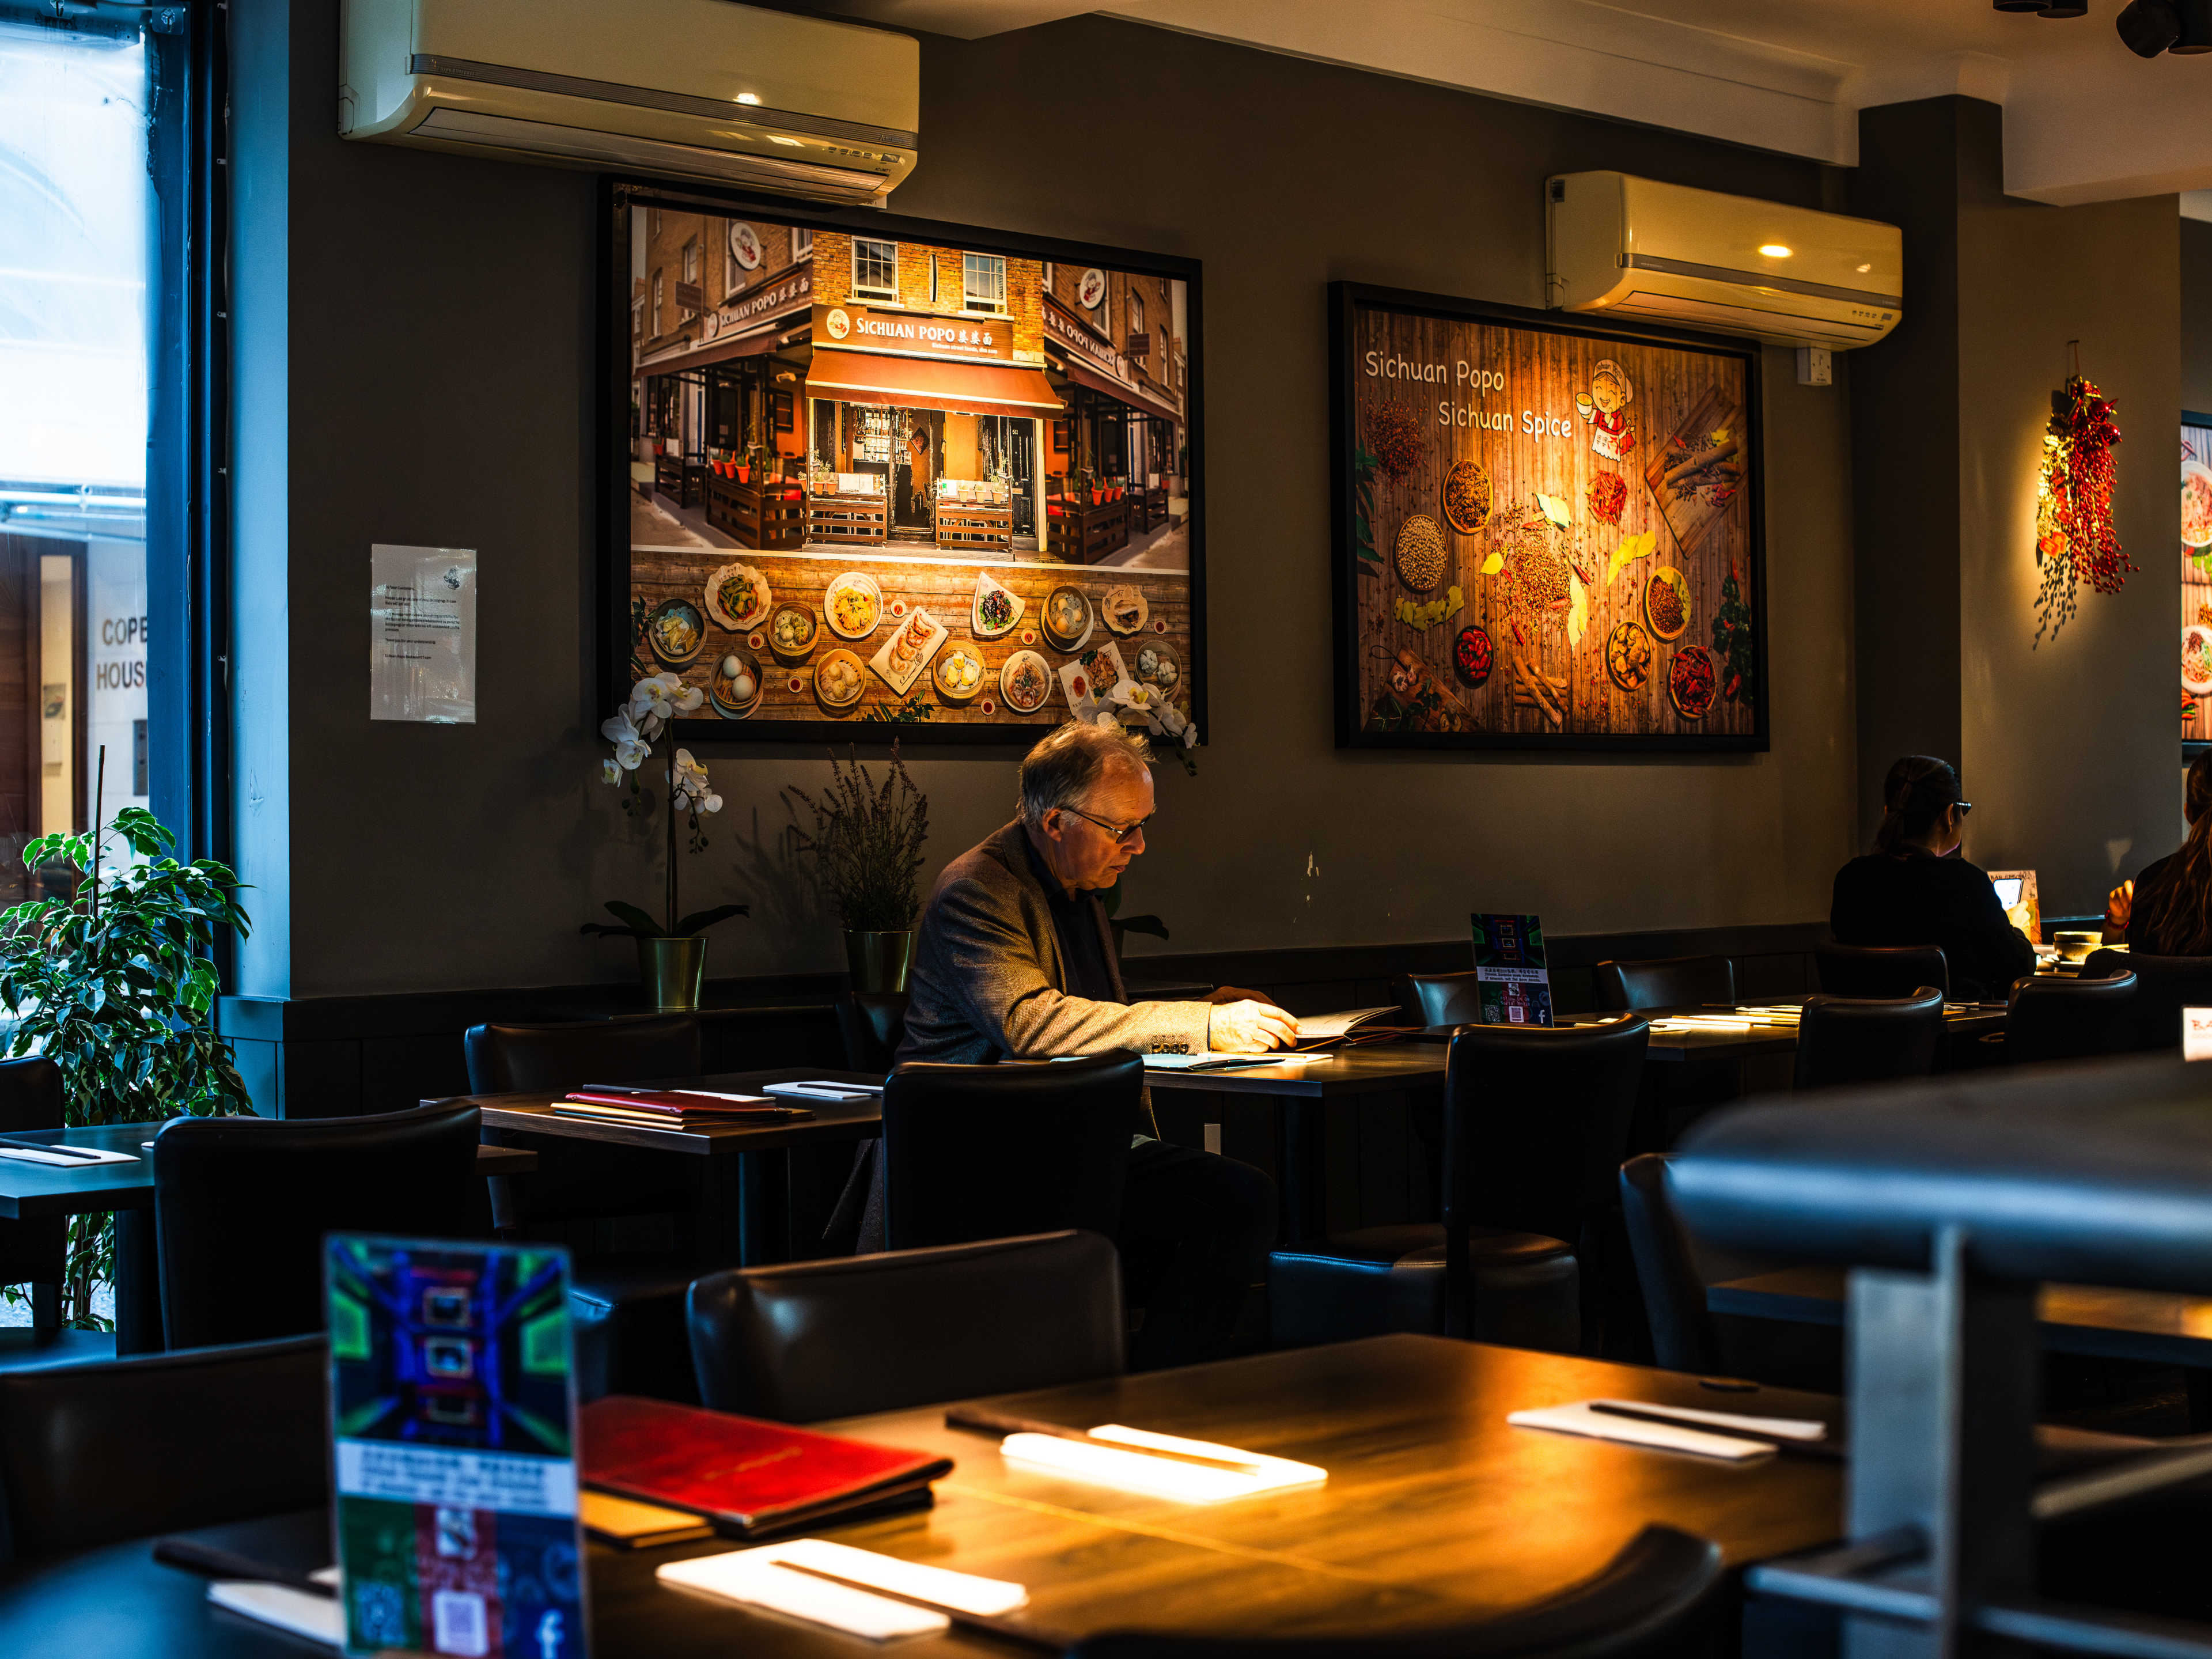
[(1510, 390), (2196, 583)]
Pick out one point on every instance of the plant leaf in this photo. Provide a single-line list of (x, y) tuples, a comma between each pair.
[(700, 921), (634, 920)]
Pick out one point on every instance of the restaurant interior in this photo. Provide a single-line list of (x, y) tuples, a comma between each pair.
[(1003, 1005)]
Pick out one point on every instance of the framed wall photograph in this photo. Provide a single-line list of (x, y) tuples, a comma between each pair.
[(1549, 532), (2196, 582), (865, 474)]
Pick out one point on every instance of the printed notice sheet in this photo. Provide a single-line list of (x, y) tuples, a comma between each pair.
[(422, 633)]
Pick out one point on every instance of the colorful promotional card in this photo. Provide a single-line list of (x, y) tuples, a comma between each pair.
[(453, 1418), (1511, 980)]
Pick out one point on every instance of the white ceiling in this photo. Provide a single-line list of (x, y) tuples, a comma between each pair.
[(2085, 120)]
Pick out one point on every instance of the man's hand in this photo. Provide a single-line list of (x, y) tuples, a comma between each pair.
[(2120, 906), (1250, 1027), (1221, 993)]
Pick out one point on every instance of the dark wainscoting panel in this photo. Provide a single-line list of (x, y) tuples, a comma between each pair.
[(335, 1056)]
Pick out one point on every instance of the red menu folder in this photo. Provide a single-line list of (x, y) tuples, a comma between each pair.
[(748, 1476)]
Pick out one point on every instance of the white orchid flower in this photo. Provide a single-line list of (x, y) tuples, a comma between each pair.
[(610, 770), (688, 698), (1171, 717), (620, 728), (652, 700), (1190, 736), (631, 755), (1106, 717), (712, 804)]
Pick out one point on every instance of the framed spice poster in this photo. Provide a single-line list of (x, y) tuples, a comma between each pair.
[(1549, 533)]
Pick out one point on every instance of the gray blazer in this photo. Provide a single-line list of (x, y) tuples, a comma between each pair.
[(988, 985)]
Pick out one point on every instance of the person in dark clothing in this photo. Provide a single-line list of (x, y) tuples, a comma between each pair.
[(2166, 910), (1912, 890)]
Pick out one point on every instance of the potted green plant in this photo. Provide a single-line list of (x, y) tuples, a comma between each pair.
[(867, 850), (671, 953), (114, 985)]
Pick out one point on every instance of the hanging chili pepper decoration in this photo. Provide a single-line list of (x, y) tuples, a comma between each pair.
[(2075, 540)]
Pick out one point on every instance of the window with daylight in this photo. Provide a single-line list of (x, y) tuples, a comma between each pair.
[(984, 278), (79, 286), (657, 297), (802, 244), (875, 270)]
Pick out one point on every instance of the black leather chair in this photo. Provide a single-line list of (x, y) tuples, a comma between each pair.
[(1845, 1040), (241, 1204), (2068, 1018), (815, 1340), (1674, 1271), (872, 1023), (1655, 1598), (1664, 983), (94, 1453), (1881, 970), (1535, 1126), (34, 1252), (1439, 999), (997, 1152), (627, 1310), (637, 1048), (2164, 987)]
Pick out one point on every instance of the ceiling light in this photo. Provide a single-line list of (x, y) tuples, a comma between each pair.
[(749, 98), (2195, 27), (2147, 28), (1774, 249)]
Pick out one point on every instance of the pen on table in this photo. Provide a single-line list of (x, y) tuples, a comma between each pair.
[(209, 1562), (58, 1150), (1820, 1448)]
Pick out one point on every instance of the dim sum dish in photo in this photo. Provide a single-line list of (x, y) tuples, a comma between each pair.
[(675, 632), (738, 596), (1024, 682), (735, 686), (853, 605), (839, 679)]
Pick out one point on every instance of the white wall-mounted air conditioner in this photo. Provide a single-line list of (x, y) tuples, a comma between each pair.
[(1634, 247), (687, 88)]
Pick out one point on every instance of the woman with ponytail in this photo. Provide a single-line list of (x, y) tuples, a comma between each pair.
[(1913, 889), (2166, 911)]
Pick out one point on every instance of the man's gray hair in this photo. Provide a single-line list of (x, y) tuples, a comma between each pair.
[(1061, 770)]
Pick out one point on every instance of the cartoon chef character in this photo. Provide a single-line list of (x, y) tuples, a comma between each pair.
[(1610, 391)]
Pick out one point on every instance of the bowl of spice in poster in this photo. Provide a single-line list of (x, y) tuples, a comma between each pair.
[(1690, 682), (1667, 603), (1473, 654)]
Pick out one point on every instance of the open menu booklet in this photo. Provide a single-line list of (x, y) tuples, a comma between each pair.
[(1316, 1028)]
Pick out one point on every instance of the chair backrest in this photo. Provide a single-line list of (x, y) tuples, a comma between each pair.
[(1665, 983), (634, 1049), (873, 1024), (30, 1094), (241, 1204), (2164, 987), (93, 1454), (1440, 999), (1843, 1040), (1881, 970), (2068, 1018), (858, 1333), (1653, 1598), (1536, 1122), (996, 1152), (1683, 1336)]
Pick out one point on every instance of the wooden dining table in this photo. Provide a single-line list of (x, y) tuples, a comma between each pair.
[(1436, 1512), (744, 1214), (29, 1190)]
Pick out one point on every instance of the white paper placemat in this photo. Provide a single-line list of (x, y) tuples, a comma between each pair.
[(318, 1618), (63, 1160), (1579, 1419)]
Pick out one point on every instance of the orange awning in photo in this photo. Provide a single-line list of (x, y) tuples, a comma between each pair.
[(1083, 374), (860, 377)]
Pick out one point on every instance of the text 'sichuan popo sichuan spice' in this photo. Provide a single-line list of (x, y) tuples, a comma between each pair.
[(1396, 433)]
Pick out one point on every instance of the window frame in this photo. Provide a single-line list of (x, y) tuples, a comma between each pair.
[(997, 305), (879, 295)]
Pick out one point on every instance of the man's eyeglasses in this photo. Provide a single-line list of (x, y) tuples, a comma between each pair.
[(1122, 833)]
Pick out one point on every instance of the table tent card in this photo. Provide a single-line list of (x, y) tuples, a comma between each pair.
[(1511, 980), (453, 1418)]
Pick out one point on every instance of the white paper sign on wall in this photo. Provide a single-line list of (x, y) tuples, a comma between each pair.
[(2197, 1033), (422, 633)]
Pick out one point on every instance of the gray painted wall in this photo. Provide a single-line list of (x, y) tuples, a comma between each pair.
[(439, 337)]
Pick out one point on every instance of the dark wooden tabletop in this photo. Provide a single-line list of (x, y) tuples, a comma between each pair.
[(1436, 1511), (1353, 1071), (36, 1189), (2156, 1326), (827, 1119)]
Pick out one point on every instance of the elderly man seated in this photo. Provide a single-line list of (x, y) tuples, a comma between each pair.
[(1016, 961)]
